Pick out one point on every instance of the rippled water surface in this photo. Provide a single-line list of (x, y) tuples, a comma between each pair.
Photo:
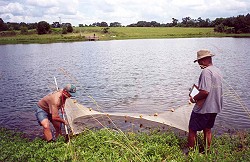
[(141, 76)]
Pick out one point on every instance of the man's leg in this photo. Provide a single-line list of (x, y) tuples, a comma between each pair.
[(207, 131), (46, 129), (191, 138), (207, 137)]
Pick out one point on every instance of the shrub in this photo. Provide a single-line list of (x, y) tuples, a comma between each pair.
[(64, 30), (24, 30), (105, 30), (43, 27), (69, 29)]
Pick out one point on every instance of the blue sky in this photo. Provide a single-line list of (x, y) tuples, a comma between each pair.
[(123, 11)]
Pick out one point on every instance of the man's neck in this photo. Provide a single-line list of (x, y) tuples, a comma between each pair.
[(208, 64)]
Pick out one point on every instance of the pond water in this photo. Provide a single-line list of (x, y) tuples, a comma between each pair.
[(136, 76)]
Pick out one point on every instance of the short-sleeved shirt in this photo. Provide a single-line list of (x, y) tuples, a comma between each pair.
[(210, 80)]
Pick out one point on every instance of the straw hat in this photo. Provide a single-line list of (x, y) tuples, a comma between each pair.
[(203, 53)]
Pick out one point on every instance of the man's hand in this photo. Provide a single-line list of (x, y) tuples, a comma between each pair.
[(192, 100), (65, 122)]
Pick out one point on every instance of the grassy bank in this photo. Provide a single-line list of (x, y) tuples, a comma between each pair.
[(110, 145), (114, 33)]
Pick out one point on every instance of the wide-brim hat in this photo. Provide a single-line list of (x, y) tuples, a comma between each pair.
[(71, 89), (203, 53)]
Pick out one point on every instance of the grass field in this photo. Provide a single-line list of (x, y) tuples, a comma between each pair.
[(172, 32), (114, 33), (112, 145)]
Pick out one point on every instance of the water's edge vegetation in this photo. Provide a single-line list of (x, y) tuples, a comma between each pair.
[(111, 33), (112, 145)]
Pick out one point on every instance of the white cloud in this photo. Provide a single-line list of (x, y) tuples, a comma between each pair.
[(123, 11), (14, 8), (42, 3), (187, 3)]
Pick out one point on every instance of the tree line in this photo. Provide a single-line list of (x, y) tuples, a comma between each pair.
[(41, 27), (238, 24)]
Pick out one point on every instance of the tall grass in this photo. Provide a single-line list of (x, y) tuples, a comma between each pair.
[(109, 145)]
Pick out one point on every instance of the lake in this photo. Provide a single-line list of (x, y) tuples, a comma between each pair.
[(136, 76)]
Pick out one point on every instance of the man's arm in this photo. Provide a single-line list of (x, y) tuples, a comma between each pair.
[(200, 98), (201, 95), (55, 115)]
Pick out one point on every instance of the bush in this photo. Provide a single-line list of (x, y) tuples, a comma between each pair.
[(69, 29), (105, 30), (219, 28), (64, 30), (43, 28), (24, 30)]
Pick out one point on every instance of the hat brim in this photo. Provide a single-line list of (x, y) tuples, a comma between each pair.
[(203, 57), (72, 94)]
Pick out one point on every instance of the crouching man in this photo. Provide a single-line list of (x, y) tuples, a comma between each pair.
[(47, 110)]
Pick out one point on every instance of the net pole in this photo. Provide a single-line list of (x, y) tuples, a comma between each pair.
[(62, 109)]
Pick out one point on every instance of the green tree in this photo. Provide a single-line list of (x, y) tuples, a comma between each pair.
[(104, 24), (115, 24), (155, 24), (185, 21), (239, 24), (12, 26), (43, 27), (32, 25), (217, 21), (69, 29), (3, 26), (203, 23), (174, 22)]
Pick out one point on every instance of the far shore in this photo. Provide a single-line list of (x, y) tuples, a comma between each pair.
[(114, 33)]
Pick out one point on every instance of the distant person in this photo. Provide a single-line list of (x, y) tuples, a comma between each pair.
[(208, 102), (47, 110)]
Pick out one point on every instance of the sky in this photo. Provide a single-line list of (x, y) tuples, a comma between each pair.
[(123, 11)]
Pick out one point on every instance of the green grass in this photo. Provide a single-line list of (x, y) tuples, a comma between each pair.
[(150, 32), (110, 145), (114, 33)]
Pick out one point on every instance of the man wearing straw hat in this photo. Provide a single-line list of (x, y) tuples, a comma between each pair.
[(208, 102), (47, 110)]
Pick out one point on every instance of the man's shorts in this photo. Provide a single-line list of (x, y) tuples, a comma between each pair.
[(199, 122), (41, 114)]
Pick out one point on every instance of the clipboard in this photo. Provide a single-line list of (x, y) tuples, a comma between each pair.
[(194, 91)]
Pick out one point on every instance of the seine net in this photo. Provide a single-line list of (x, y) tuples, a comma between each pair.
[(81, 117)]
